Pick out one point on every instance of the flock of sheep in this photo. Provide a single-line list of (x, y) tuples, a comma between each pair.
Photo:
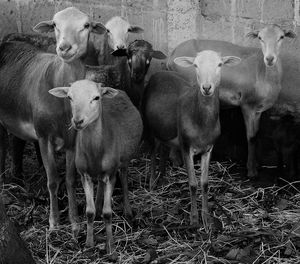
[(54, 99)]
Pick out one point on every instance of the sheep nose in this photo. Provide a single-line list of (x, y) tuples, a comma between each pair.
[(133, 75), (78, 123), (121, 46), (65, 47), (206, 88), (270, 59)]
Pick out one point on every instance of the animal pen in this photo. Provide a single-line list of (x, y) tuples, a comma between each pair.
[(253, 203)]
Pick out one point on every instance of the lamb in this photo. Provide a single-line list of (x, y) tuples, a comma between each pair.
[(109, 132), (133, 70), (186, 118)]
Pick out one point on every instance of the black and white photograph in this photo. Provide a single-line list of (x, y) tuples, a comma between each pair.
[(150, 131)]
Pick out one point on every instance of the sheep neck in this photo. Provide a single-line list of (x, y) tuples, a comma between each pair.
[(208, 106), (68, 72), (268, 80), (94, 131)]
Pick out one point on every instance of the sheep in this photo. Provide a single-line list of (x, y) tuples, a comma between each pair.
[(186, 118), (133, 70), (29, 112), (129, 74), (109, 131), (254, 85)]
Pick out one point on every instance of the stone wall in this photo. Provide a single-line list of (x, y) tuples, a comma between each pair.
[(166, 22)]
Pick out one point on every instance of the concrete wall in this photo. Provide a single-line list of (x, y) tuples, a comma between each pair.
[(166, 22)]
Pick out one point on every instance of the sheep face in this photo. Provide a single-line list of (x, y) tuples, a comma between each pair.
[(72, 28), (117, 31), (139, 55), (271, 38), (207, 65), (85, 100)]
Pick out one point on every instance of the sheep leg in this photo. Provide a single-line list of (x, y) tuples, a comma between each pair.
[(3, 148), (296, 164), (163, 156), (251, 118), (47, 152), (152, 167), (18, 146), (205, 160), (109, 183), (70, 184), (124, 181), (90, 210), (189, 163), (291, 160), (175, 157), (99, 200), (278, 149), (38, 154)]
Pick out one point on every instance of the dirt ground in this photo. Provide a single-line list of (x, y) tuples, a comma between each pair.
[(253, 222)]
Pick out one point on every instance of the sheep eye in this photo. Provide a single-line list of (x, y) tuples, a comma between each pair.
[(259, 38), (220, 64), (97, 98), (281, 37), (54, 25), (195, 65), (107, 30), (87, 25), (69, 97)]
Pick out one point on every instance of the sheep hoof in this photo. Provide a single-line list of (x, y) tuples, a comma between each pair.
[(75, 231), (252, 174), (89, 244), (206, 221), (194, 220), (251, 171), (53, 227), (113, 257), (110, 249), (162, 182), (129, 217)]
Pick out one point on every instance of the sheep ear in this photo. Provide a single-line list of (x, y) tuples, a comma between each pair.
[(230, 60), (290, 34), (44, 27), (108, 92), (158, 55), (135, 29), (253, 34), (98, 28), (60, 92), (184, 61)]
